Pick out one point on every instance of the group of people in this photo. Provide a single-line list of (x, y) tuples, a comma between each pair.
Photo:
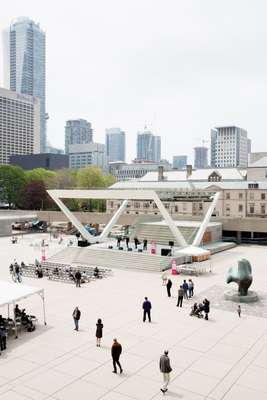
[(16, 271), (26, 320), (116, 348), (197, 310), (136, 242)]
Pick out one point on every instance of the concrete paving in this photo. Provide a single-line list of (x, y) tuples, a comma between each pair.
[(223, 358)]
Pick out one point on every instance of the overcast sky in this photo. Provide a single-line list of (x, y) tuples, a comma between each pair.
[(178, 66)]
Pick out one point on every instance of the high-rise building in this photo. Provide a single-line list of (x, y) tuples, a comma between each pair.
[(229, 147), (179, 162), (201, 157), (24, 64), (115, 144), (148, 147), (19, 124), (77, 131), (86, 154)]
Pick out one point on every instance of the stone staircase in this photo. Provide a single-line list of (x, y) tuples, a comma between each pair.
[(108, 258), (162, 233)]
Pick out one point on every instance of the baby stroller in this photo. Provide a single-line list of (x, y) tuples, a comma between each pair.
[(197, 310)]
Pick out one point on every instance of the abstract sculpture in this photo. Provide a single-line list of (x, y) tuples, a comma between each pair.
[(242, 275)]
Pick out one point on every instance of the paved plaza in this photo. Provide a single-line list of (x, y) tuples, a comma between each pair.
[(223, 358)]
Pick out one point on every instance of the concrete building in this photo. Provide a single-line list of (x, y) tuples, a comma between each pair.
[(84, 155), (123, 171), (253, 157), (242, 205), (24, 65), (115, 144), (229, 147), (257, 171), (148, 147), (77, 131), (200, 157), (19, 124), (45, 160), (179, 162)]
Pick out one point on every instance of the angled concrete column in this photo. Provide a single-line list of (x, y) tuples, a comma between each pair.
[(78, 225), (169, 221), (113, 221), (199, 236)]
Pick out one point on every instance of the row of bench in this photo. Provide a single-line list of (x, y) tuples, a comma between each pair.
[(65, 273)]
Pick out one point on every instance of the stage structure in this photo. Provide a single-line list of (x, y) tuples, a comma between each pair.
[(126, 195)]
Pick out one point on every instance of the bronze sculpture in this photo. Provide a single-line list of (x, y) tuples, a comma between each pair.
[(242, 275)]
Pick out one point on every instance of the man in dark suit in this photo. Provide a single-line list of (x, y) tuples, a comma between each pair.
[(147, 308), (116, 350)]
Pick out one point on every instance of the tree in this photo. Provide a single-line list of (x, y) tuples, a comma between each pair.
[(35, 196), (12, 182), (41, 174), (90, 177), (65, 178)]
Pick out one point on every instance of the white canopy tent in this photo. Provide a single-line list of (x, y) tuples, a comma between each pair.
[(12, 293)]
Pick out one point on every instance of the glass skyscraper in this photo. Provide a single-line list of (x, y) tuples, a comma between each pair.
[(24, 48), (148, 147), (115, 144)]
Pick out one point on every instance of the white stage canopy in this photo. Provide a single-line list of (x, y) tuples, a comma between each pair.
[(12, 293)]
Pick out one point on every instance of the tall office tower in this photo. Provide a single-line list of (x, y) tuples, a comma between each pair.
[(229, 147), (115, 145), (77, 131), (157, 147), (148, 147), (249, 146), (24, 64), (179, 162), (19, 124), (201, 157)]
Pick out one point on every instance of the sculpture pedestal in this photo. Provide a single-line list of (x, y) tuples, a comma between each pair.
[(233, 295)]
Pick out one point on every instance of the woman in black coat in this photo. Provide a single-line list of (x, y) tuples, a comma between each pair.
[(99, 332)]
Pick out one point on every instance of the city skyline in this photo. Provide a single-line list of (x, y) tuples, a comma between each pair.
[(167, 78)]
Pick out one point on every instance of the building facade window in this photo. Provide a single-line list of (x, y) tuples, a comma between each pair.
[(263, 196), (263, 209), (251, 208), (240, 196), (240, 208), (227, 196)]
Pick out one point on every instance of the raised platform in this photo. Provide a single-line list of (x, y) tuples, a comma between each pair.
[(101, 255)]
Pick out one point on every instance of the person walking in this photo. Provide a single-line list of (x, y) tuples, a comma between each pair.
[(116, 350), (76, 318), (165, 369), (168, 286), (78, 277), (147, 308), (206, 309), (185, 287), (99, 332), (180, 296), (190, 288), (239, 310)]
